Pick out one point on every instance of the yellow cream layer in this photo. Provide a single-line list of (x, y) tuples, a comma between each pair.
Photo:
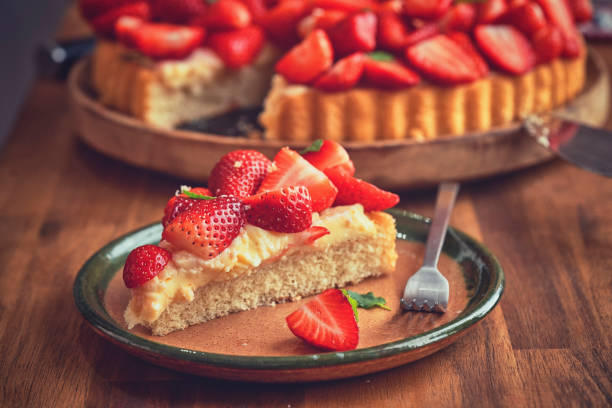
[(185, 273)]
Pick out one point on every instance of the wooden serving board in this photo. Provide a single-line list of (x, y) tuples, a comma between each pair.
[(391, 164)]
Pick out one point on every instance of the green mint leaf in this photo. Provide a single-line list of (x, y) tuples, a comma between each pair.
[(353, 303), (314, 147), (381, 56), (189, 194), (368, 300)]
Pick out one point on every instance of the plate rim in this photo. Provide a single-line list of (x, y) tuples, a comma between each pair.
[(118, 334)]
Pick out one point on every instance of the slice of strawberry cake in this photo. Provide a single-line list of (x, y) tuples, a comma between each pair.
[(263, 232)]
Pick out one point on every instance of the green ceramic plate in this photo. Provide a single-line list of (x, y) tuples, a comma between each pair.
[(387, 339)]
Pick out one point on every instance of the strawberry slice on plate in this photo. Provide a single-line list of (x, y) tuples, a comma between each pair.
[(238, 47), (307, 60), (343, 75), (559, 14), (182, 202), (506, 47), (286, 210), (143, 264), (384, 71), (239, 173), (224, 14), (426, 8), (355, 33), (104, 24), (208, 227), (291, 169), (327, 321), (352, 190), (324, 154)]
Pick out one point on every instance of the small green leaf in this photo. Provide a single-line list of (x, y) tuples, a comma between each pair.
[(353, 303), (381, 56), (314, 147), (185, 190), (368, 300)]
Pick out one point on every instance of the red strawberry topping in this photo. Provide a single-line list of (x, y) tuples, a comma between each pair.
[(319, 18), (286, 210), (352, 190), (548, 44), (343, 75), (104, 24), (324, 154), (327, 321), (239, 47), (389, 74), (355, 33), (293, 170), (491, 10), (346, 5), (422, 33), (307, 60), (181, 202), (257, 8), (582, 10), (280, 22), (461, 17), (506, 47), (225, 14), (465, 42), (143, 264), (92, 8), (559, 14), (208, 227), (392, 31), (528, 18), (426, 8), (177, 11), (239, 173)]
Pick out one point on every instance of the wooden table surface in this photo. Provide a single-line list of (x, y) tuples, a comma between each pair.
[(547, 344)]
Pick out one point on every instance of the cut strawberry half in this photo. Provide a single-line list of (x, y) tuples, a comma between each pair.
[(582, 10), (307, 60), (224, 15), (426, 8), (143, 264), (559, 14), (346, 5), (388, 73), (257, 8), (320, 18), (343, 75), (327, 321), (280, 21), (177, 11), (356, 33), (422, 33), (461, 17), (443, 60), (352, 190), (491, 10), (528, 18), (239, 47), (239, 173), (548, 44), (506, 47), (293, 170), (324, 154), (466, 43), (309, 235), (286, 210), (104, 24), (392, 31)]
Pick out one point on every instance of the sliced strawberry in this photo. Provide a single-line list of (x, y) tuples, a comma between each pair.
[(177, 11), (286, 210), (327, 321), (466, 43), (394, 6), (92, 8), (208, 227), (352, 190), (239, 173), (280, 21), (307, 60), (528, 18), (310, 235), (143, 264), (422, 33), (426, 8), (392, 32), (443, 60), (324, 154), (491, 10), (388, 73), (257, 8), (320, 18), (181, 202), (104, 24), (224, 15), (461, 17), (346, 5), (582, 10), (559, 14), (548, 44), (354, 34), (506, 47), (343, 75), (238, 47), (293, 170)]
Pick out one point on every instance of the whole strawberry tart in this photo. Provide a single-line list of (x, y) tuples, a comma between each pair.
[(340, 69), (263, 232)]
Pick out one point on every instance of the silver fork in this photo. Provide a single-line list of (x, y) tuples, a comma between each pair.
[(427, 289)]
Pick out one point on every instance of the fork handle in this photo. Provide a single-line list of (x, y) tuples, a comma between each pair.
[(447, 192)]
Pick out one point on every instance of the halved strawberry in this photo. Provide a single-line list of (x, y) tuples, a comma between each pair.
[(528, 18), (238, 47), (352, 190), (224, 14), (307, 60), (293, 170), (466, 43), (426, 8), (104, 24), (422, 33), (91, 8), (177, 11), (346, 5), (394, 6), (239, 173), (559, 14), (257, 8), (443, 60), (280, 21), (320, 18), (491, 10), (582, 10), (327, 321), (143, 264), (461, 17), (387, 72), (355, 33), (208, 227), (181, 202), (310, 235), (286, 210), (505, 47), (392, 31), (343, 75), (548, 44), (324, 154)]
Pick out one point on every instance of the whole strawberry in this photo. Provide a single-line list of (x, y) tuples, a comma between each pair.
[(239, 173), (208, 227), (182, 202), (286, 210), (177, 11), (143, 264)]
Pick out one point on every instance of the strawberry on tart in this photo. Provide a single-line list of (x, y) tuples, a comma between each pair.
[(342, 69), (262, 232)]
